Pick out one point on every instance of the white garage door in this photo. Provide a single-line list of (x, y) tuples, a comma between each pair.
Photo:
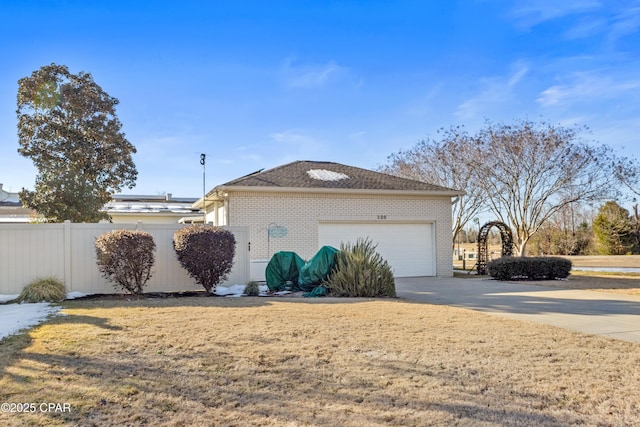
[(409, 248)]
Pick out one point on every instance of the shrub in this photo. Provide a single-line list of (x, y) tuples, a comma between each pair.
[(532, 268), (361, 272), (48, 289), (125, 257), (206, 252), (252, 289)]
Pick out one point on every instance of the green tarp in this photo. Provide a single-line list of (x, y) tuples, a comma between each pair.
[(318, 291), (316, 270), (282, 268)]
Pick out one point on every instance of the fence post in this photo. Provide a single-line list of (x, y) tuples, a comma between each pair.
[(68, 280)]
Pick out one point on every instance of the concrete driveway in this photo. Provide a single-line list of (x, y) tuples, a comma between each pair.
[(600, 313)]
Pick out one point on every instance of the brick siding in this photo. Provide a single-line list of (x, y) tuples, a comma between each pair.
[(300, 214)]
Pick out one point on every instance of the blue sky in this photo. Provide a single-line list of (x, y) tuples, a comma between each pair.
[(255, 84)]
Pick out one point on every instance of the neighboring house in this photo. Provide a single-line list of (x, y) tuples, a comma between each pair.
[(130, 208), (124, 208), (11, 209), (304, 205)]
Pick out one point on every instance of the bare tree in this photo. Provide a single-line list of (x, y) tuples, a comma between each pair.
[(448, 162), (567, 232), (532, 170)]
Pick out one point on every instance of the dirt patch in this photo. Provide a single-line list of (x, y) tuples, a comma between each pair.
[(320, 362), (179, 294), (147, 295)]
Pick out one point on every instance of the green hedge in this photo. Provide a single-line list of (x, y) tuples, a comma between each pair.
[(533, 268)]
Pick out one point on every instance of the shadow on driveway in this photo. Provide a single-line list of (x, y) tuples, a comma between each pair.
[(601, 313)]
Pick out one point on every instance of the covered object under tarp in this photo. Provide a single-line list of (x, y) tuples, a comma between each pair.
[(316, 270), (282, 268)]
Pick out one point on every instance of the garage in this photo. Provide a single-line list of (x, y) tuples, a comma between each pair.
[(408, 247), (313, 203)]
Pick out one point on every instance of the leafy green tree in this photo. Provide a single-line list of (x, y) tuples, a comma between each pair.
[(614, 230), (68, 126)]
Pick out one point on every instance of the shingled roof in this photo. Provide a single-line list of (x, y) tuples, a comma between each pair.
[(329, 175)]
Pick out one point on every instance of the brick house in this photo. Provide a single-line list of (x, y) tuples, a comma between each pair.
[(303, 205)]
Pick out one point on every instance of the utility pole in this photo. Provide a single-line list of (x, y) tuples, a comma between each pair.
[(204, 188)]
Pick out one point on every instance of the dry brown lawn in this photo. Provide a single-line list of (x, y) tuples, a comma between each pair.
[(605, 261), (321, 362), (621, 283)]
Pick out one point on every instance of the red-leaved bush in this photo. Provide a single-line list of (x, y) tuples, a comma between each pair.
[(206, 252), (125, 257)]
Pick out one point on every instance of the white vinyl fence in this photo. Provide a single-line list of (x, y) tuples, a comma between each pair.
[(66, 251)]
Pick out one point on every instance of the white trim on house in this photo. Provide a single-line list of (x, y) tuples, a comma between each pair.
[(221, 192)]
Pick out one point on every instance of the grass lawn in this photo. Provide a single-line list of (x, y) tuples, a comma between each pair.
[(322, 362)]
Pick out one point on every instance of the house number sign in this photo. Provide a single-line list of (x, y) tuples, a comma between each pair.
[(382, 217), (277, 231)]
